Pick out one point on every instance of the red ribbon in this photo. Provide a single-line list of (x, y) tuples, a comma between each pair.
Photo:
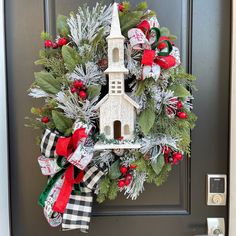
[(66, 145), (66, 189), (145, 27), (165, 62)]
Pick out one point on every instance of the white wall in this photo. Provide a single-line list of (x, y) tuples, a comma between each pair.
[(4, 196)]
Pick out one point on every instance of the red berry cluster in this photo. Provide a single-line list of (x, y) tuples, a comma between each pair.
[(79, 88), (49, 44), (126, 175), (172, 157), (121, 7), (181, 114)]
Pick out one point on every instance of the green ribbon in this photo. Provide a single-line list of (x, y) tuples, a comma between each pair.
[(43, 196), (157, 38)]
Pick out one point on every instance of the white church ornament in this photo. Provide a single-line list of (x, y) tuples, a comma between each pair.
[(117, 111)]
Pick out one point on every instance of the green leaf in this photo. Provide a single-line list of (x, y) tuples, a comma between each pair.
[(146, 120), (47, 82), (140, 88), (62, 26), (70, 57), (165, 31), (114, 172), (40, 61), (179, 90), (93, 91), (62, 123), (158, 165)]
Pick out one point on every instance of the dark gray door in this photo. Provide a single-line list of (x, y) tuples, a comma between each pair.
[(179, 206)]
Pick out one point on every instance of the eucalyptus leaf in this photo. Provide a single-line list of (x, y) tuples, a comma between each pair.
[(140, 88), (146, 120), (62, 123), (179, 90), (70, 57), (40, 61), (47, 82), (114, 171), (93, 91), (62, 26), (158, 164)]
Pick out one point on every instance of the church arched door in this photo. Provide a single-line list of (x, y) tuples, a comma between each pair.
[(117, 129)]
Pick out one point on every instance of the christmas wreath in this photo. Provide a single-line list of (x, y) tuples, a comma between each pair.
[(117, 109)]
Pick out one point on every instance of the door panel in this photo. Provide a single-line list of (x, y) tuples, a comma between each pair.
[(176, 208)]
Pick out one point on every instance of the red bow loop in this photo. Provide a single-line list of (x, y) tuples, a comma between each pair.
[(66, 145)]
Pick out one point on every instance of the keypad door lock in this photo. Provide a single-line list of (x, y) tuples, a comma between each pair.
[(216, 190)]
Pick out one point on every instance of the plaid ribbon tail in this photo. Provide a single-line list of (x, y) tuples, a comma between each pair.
[(78, 211)]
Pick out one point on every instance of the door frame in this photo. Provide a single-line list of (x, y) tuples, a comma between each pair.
[(4, 168), (4, 165), (232, 148)]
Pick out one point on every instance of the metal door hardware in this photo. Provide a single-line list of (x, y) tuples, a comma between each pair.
[(216, 226), (216, 190)]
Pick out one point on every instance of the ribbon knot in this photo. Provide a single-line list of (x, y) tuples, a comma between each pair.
[(67, 145), (156, 49)]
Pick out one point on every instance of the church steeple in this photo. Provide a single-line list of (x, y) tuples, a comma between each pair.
[(115, 31), (115, 47)]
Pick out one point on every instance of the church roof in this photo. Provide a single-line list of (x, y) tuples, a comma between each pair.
[(125, 96)]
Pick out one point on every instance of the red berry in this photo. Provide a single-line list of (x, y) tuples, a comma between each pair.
[(62, 41), (78, 84), (166, 150), (128, 177), (123, 169), (54, 45), (120, 138), (73, 89), (179, 105), (121, 183), (178, 156), (47, 43), (45, 119), (82, 94), (132, 166), (182, 115), (121, 7), (127, 182)]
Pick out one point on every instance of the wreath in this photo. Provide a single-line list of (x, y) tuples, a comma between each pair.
[(117, 109)]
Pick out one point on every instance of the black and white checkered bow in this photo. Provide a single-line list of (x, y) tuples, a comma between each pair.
[(79, 207)]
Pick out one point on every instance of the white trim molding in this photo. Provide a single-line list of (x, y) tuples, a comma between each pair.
[(4, 196), (232, 170)]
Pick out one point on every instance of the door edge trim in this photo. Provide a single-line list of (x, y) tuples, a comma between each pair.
[(4, 180), (232, 148)]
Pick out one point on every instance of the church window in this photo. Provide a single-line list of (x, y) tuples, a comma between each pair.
[(115, 55), (126, 129), (107, 130)]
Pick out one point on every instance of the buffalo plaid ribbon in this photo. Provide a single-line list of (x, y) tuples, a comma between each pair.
[(78, 211), (48, 144)]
